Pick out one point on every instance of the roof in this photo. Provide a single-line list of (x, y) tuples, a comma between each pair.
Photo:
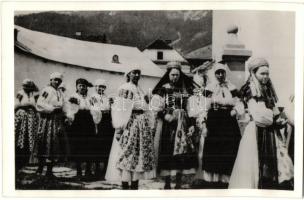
[(83, 53), (201, 53), (158, 44)]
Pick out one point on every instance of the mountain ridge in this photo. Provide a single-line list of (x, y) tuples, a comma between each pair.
[(188, 30)]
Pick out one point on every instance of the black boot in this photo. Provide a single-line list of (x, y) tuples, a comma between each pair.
[(49, 171), (40, 167), (167, 183), (134, 185), (79, 170), (98, 172), (88, 171), (178, 181), (125, 185)]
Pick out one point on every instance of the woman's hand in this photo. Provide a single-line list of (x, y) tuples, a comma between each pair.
[(169, 117), (233, 113), (191, 131), (111, 100), (281, 121)]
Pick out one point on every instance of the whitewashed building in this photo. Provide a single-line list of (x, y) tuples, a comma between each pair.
[(161, 53), (38, 54)]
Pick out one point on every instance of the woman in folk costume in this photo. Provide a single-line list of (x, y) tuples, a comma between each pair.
[(134, 157), (289, 111), (105, 130), (198, 105), (26, 121), (268, 163), (64, 140), (222, 141), (177, 154), (50, 128), (81, 114)]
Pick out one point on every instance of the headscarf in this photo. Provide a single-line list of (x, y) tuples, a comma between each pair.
[(30, 85), (56, 75), (185, 83), (253, 88), (84, 82), (100, 82), (130, 69), (221, 91)]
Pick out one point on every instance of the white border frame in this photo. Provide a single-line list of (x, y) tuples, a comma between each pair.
[(7, 82)]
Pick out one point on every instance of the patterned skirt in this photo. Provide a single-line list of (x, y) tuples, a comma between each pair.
[(50, 132), (26, 121), (177, 150), (137, 146)]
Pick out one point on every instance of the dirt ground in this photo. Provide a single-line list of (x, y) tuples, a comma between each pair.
[(66, 179)]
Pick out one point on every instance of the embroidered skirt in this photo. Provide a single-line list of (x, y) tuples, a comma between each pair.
[(26, 122), (137, 148), (50, 132), (177, 151)]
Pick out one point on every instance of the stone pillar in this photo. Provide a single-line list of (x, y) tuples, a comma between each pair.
[(235, 55)]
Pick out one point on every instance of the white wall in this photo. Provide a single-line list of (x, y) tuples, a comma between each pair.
[(268, 34), (28, 66)]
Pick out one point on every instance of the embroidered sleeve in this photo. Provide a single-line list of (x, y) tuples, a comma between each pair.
[(239, 107), (262, 116), (36, 96), (43, 104), (121, 109), (18, 100), (72, 107), (140, 103), (95, 110), (157, 103)]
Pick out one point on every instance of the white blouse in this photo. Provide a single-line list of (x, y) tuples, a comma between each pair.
[(261, 115), (130, 97), (101, 101), (49, 99), (24, 99), (221, 94), (83, 103)]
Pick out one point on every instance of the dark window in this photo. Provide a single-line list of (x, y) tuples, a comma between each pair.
[(115, 59), (160, 55)]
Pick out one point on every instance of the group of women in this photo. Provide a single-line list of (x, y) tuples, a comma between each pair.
[(187, 126)]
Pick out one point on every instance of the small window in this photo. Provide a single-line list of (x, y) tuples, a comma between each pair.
[(78, 33), (160, 55), (115, 59)]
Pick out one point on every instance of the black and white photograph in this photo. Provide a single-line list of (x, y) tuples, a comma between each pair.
[(169, 100)]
